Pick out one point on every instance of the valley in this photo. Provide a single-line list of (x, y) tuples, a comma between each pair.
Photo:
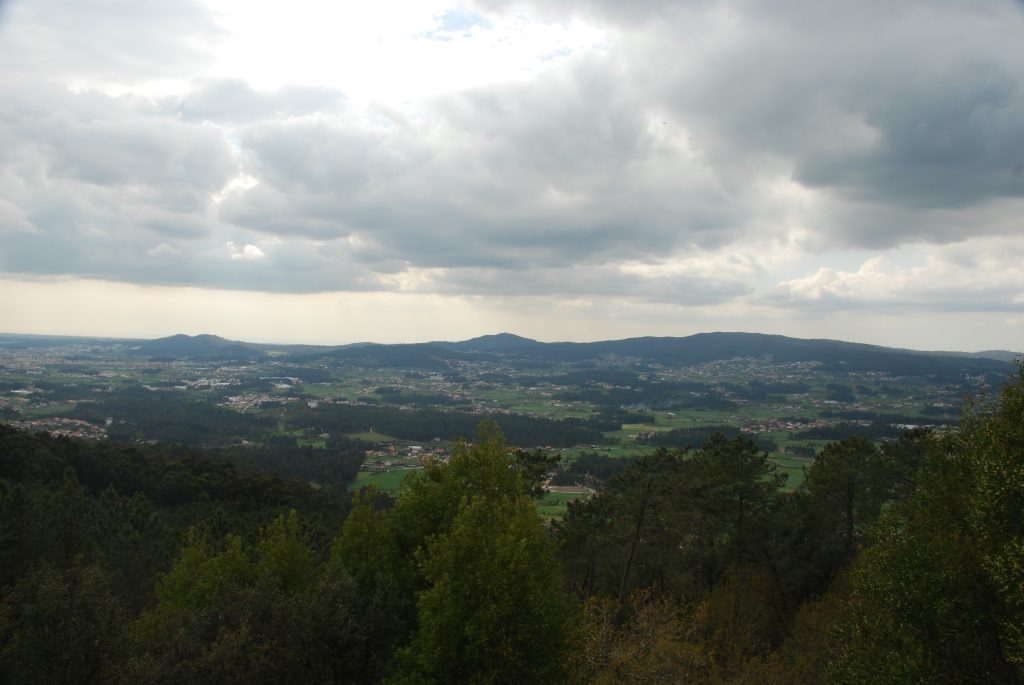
[(397, 405)]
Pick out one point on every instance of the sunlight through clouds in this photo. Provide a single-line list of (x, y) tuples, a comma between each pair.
[(674, 161)]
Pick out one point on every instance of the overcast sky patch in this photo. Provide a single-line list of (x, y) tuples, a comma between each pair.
[(790, 156)]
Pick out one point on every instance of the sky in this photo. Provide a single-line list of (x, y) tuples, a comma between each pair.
[(411, 170)]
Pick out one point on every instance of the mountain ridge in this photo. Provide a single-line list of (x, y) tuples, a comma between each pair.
[(676, 351), (686, 350)]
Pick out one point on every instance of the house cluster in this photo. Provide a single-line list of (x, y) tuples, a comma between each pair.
[(74, 428), (254, 400), (390, 457)]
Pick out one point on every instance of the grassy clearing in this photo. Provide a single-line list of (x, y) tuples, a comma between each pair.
[(386, 481), (629, 450), (371, 436), (320, 391), (626, 450), (47, 410), (554, 505), (791, 466)]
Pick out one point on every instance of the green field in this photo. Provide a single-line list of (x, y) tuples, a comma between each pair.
[(386, 481), (50, 409), (321, 390), (791, 466), (554, 505), (370, 436)]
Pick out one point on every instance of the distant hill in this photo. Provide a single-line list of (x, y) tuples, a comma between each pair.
[(670, 351), (705, 347), (500, 342), (708, 347), (203, 346), (679, 351)]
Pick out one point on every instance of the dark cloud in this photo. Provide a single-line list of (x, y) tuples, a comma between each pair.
[(945, 142), (913, 106)]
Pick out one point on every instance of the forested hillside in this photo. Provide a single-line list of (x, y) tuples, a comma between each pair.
[(900, 561)]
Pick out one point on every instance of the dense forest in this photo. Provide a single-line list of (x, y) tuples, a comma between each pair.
[(894, 562)]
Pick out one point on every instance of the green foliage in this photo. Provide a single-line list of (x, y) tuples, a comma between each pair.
[(696, 437), (202, 575), (591, 467), (691, 566), (937, 597), (336, 463), (424, 424), (493, 612), (367, 545), (490, 609), (168, 475), (534, 466), (431, 498), (60, 626), (170, 418), (993, 443), (738, 485), (630, 534), (284, 554), (906, 456), (673, 522), (230, 614), (921, 607), (849, 482)]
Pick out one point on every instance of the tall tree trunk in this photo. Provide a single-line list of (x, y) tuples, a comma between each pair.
[(850, 489), (636, 539)]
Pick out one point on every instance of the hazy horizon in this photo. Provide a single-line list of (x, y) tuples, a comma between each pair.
[(327, 343)]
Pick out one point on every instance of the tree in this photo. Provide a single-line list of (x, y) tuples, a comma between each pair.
[(431, 498), (993, 443), (233, 614), (739, 485), (906, 455), (937, 597), (850, 481), (491, 609), (534, 466), (60, 627), (673, 522), (366, 599), (636, 533), (494, 612)]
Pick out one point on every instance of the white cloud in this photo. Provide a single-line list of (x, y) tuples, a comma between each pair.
[(982, 274), (247, 253)]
